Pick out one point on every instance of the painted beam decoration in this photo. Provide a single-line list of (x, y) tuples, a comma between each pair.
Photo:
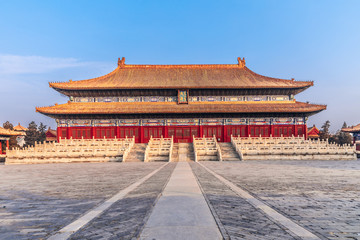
[(179, 122), (183, 96)]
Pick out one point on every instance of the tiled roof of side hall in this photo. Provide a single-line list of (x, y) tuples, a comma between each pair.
[(174, 108), (20, 128), (231, 76), (8, 132), (352, 129)]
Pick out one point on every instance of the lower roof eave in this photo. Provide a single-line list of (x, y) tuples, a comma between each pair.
[(181, 115)]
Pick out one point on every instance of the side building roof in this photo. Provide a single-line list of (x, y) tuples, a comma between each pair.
[(217, 76), (20, 128), (352, 129), (8, 132)]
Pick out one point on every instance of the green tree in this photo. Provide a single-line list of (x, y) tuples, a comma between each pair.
[(8, 125), (41, 133), (32, 134), (344, 137), (325, 130)]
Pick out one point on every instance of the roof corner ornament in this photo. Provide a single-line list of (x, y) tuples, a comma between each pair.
[(121, 62), (241, 62)]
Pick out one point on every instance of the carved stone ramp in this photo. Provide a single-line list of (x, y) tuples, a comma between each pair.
[(185, 152), (182, 211), (137, 153)]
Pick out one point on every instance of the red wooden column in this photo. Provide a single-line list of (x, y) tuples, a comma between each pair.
[(7, 144), (69, 132), (58, 132), (294, 129), (0, 148), (117, 132), (165, 132), (201, 131), (93, 132), (141, 134), (272, 131), (305, 131), (224, 137)]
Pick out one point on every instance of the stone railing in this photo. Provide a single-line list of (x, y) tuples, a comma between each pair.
[(159, 149), (73, 150), (290, 148), (206, 149)]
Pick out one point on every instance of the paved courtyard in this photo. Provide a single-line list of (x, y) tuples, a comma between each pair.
[(321, 197)]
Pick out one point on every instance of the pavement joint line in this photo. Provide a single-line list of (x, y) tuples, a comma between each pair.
[(73, 227), (147, 216), (221, 227), (287, 223)]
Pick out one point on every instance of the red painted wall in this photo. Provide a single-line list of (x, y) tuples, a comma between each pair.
[(182, 133)]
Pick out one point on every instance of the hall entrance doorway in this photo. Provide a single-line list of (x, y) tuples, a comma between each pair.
[(183, 134)]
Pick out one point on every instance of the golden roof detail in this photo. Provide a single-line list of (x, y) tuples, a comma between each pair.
[(195, 76)]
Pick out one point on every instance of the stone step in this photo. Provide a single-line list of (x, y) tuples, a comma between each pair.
[(231, 159), (137, 153), (228, 152), (208, 158), (158, 158)]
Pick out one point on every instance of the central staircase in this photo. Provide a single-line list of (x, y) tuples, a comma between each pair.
[(228, 152), (186, 152), (137, 153)]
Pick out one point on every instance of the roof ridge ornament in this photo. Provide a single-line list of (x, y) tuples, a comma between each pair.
[(121, 62), (241, 62)]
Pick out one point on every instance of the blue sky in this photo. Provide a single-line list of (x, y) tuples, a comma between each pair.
[(45, 41)]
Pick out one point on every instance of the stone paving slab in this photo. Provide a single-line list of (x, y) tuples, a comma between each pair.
[(322, 197), (38, 200), (126, 217), (181, 212), (239, 218)]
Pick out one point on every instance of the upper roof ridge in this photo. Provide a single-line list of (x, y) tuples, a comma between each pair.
[(121, 64)]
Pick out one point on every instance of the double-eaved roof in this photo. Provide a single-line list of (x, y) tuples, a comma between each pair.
[(177, 77)]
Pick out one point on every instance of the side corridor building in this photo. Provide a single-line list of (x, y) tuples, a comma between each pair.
[(181, 101)]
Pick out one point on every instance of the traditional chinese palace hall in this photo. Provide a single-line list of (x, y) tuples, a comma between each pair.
[(181, 101)]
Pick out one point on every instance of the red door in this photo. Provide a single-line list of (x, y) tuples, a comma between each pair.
[(284, 130), (129, 132), (235, 131), (107, 132), (183, 134), (257, 131), (155, 132), (210, 131)]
